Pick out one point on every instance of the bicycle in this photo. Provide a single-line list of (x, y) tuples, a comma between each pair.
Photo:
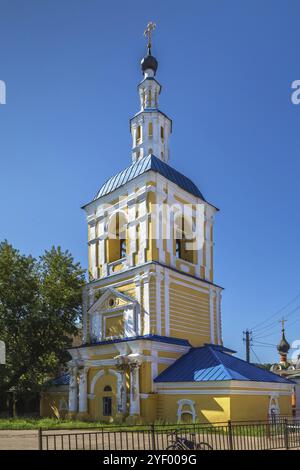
[(182, 443)]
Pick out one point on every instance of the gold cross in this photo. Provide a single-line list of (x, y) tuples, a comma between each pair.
[(148, 32), (282, 321)]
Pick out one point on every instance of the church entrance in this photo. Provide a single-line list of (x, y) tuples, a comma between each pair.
[(107, 406)]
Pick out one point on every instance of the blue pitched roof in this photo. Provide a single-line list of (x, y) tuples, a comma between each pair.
[(142, 166), (213, 363)]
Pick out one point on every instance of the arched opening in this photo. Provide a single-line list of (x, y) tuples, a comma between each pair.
[(116, 242), (107, 388), (183, 240), (162, 133), (138, 139), (150, 130)]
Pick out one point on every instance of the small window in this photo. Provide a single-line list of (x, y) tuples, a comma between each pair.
[(150, 98), (162, 134), (107, 388), (150, 129), (178, 248), (123, 248)]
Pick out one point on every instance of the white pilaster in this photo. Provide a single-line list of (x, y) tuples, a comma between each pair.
[(167, 306), (138, 295), (146, 305), (134, 388), (212, 295), (73, 390), (83, 390)]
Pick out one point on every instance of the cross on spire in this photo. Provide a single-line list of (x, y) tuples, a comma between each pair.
[(148, 33), (282, 321)]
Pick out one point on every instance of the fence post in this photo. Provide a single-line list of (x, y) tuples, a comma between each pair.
[(286, 434), (153, 436), (40, 439), (230, 439)]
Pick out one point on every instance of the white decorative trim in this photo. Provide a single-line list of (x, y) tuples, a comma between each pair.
[(219, 392), (183, 402), (95, 379)]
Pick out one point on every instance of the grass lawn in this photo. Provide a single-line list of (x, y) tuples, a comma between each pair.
[(47, 423)]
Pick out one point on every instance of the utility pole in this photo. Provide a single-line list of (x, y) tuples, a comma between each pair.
[(247, 340)]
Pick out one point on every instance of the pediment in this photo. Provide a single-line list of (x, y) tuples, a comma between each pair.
[(111, 299)]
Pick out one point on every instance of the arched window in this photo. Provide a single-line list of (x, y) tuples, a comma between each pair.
[(107, 388), (183, 240), (150, 130), (162, 134), (150, 98), (116, 243)]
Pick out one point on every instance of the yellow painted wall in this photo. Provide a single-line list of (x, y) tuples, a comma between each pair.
[(189, 313), (208, 408), (250, 407)]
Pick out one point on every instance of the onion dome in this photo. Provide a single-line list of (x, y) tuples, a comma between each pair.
[(149, 62), (283, 347)]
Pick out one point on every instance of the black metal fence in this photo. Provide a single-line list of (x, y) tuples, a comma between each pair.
[(280, 433)]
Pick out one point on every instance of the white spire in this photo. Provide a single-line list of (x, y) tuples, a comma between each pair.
[(150, 128)]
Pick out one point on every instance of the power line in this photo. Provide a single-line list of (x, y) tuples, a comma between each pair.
[(256, 355), (274, 323), (276, 313)]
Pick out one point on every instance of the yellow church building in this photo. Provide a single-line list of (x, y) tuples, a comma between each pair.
[(152, 344)]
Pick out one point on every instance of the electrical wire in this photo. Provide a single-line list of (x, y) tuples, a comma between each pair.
[(276, 313)]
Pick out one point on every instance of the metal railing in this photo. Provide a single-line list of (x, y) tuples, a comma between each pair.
[(282, 433)]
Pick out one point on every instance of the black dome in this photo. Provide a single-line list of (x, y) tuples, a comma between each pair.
[(149, 62), (283, 346)]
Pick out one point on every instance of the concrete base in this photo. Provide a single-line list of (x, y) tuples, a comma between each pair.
[(134, 420), (83, 416)]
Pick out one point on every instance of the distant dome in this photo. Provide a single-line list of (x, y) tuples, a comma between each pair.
[(149, 62), (283, 347)]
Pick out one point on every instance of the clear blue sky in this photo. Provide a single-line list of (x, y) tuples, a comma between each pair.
[(71, 69)]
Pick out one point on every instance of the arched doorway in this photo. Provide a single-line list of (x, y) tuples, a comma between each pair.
[(107, 401)]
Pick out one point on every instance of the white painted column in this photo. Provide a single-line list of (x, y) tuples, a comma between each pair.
[(212, 295), (85, 330), (159, 278), (73, 390), (207, 248), (143, 233), (167, 303), (138, 294), (132, 209), (134, 388), (218, 313), (122, 394), (146, 305), (83, 390)]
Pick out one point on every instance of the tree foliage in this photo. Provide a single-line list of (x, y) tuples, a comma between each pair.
[(40, 308)]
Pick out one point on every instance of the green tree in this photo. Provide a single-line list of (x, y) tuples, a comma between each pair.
[(40, 308)]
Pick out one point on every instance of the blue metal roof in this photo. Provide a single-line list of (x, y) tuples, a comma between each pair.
[(61, 380), (213, 363), (159, 338), (142, 166)]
